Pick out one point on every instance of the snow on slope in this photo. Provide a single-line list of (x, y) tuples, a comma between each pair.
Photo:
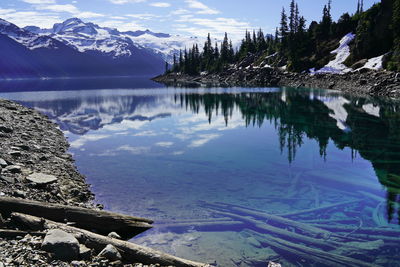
[(342, 53), (28, 39), (166, 46), (86, 36), (375, 63)]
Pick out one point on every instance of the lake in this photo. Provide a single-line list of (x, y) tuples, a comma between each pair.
[(212, 166)]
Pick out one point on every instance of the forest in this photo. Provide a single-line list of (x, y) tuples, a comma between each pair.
[(300, 46)]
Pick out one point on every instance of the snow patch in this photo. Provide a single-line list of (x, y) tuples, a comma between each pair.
[(375, 63), (342, 53), (372, 110), (339, 112)]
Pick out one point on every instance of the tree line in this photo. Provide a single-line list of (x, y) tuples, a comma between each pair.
[(300, 47)]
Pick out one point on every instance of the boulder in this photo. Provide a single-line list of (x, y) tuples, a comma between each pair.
[(110, 253), (13, 169), (64, 246), (3, 163), (5, 129), (84, 252), (41, 178)]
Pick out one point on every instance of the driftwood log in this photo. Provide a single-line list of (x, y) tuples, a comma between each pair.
[(312, 255), (100, 221), (130, 252), (302, 227), (320, 209), (264, 227)]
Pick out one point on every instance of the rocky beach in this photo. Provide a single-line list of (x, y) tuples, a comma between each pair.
[(38, 176), (361, 82)]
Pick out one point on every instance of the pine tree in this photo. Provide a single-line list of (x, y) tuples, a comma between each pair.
[(225, 49), (174, 66), (283, 30), (292, 17), (395, 61)]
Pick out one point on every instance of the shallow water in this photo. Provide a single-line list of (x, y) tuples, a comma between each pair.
[(201, 161)]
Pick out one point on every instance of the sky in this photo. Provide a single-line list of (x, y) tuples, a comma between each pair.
[(178, 17)]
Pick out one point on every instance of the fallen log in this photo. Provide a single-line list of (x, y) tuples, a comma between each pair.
[(203, 226), (100, 221), (363, 230), (319, 209), (302, 227), (130, 252), (263, 227), (320, 257)]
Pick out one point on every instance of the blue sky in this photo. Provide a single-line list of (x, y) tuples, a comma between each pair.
[(184, 17)]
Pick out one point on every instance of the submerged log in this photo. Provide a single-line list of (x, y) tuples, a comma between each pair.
[(302, 227), (320, 257), (363, 230), (319, 209), (264, 227), (130, 252), (202, 225), (100, 221)]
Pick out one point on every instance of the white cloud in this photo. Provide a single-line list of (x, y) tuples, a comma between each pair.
[(120, 25), (121, 2), (216, 27), (203, 139), (160, 4), (27, 18), (165, 144), (203, 9), (88, 14), (60, 8), (180, 11), (134, 150), (39, 1), (81, 141), (143, 16)]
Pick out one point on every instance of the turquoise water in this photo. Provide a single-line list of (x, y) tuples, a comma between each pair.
[(210, 165)]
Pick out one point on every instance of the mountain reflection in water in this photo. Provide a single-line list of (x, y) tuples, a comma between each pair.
[(319, 122)]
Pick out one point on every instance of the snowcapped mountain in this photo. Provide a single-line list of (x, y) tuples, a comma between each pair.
[(86, 36), (28, 39), (71, 49)]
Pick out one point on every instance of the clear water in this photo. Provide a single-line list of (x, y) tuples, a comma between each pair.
[(203, 162)]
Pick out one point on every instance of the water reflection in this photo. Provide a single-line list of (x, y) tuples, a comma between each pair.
[(157, 152), (368, 126)]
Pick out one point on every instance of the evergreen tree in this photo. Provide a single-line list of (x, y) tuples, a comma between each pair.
[(225, 49), (283, 30), (175, 63)]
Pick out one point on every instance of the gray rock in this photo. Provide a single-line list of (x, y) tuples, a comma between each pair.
[(3, 163), (15, 153), (84, 252), (13, 169), (114, 235), (41, 178), (5, 129), (9, 180), (19, 193), (110, 253), (63, 245)]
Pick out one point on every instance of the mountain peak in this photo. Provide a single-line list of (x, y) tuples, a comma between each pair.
[(4, 22), (74, 25)]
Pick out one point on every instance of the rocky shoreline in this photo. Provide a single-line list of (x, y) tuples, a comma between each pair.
[(35, 165), (363, 82)]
